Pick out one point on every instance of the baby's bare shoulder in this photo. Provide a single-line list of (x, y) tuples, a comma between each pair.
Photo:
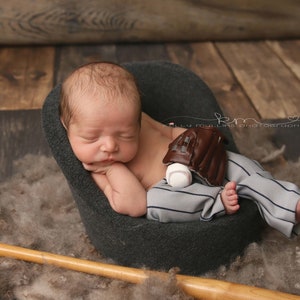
[(149, 124)]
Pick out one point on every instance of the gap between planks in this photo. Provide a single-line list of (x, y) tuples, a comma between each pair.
[(269, 83)]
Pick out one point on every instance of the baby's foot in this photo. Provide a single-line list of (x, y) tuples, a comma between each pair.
[(230, 198)]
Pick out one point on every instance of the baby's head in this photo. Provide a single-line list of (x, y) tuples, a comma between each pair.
[(100, 108), (97, 83)]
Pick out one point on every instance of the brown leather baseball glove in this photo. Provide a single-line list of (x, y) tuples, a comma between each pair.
[(202, 150)]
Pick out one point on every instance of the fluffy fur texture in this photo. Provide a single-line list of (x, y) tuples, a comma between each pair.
[(37, 211)]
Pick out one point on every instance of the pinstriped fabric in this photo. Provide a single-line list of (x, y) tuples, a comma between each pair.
[(195, 202), (275, 199)]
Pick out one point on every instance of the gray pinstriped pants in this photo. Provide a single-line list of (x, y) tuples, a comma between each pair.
[(275, 199)]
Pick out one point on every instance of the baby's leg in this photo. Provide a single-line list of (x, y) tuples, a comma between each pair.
[(194, 202), (229, 198), (277, 200)]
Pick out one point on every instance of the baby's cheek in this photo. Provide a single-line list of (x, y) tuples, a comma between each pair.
[(128, 153), (134, 150), (84, 154)]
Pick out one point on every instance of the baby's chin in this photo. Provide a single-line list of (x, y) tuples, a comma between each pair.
[(99, 167)]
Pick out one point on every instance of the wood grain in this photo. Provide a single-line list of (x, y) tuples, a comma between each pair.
[(26, 76), (141, 52), (204, 60), (271, 86), (102, 21), (289, 52), (71, 57)]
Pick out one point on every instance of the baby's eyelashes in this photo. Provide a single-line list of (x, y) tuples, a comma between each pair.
[(90, 139), (127, 137)]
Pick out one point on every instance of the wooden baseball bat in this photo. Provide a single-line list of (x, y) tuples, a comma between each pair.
[(200, 288)]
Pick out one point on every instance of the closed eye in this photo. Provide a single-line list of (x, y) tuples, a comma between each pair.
[(89, 139), (127, 137)]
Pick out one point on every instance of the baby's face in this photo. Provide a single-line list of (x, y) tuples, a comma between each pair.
[(100, 136)]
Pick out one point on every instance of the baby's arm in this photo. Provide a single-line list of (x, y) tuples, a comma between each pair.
[(123, 190)]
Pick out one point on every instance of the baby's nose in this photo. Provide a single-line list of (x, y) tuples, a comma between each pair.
[(109, 145)]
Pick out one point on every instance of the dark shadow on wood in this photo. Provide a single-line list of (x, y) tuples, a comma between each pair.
[(21, 133)]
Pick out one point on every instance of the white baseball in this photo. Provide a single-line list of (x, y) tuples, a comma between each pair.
[(178, 175)]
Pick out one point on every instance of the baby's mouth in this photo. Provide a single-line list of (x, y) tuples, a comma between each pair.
[(107, 161)]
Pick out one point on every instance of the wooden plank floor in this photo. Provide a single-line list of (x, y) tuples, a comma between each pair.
[(252, 81)]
